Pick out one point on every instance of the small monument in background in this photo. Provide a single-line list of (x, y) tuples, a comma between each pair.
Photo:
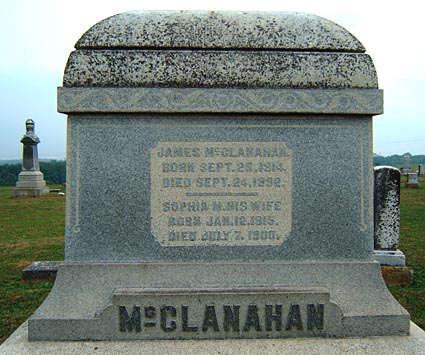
[(387, 216), (30, 180), (413, 181), (406, 164), (387, 226), (421, 169)]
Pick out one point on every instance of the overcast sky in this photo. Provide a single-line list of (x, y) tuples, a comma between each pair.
[(37, 37)]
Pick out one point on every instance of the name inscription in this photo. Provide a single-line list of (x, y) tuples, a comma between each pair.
[(224, 318), (221, 193)]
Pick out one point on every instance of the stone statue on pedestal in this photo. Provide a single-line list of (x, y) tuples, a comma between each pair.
[(31, 180)]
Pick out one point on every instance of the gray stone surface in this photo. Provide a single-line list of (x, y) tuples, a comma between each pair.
[(386, 208), (414, 344), (106, 148), (193, 187), (213, 29), (30, 180)]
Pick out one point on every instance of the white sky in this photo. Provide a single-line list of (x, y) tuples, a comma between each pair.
[(37, 37)]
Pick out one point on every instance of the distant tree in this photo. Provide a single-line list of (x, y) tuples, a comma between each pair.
[(417, 159), (378, 160), (9, 174), (54, 171)]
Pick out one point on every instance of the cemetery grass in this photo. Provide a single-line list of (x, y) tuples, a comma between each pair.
[(32, 230), (412, 243)]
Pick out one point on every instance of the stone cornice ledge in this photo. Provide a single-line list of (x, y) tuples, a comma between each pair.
[(216, 100)]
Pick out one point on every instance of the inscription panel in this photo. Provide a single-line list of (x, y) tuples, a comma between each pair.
[(221, 193), (221, 313)]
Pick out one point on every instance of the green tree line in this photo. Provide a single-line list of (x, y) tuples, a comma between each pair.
[(398, 160), (54, 172)]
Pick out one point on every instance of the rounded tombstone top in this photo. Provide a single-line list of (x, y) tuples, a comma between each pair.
[(207, 49), (219, 30), (387, 167)]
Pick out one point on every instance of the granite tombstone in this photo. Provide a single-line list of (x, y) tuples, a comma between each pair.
[(387, 216), (30, 180), (184, 219)]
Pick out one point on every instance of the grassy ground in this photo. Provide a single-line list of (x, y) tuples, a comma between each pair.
[(412, 243), (32, 229)]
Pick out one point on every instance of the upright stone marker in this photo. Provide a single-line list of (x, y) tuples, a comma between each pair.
[(387, 207), (30, 180), (387, 216), (413, 181), (406, 164), (191, 212)]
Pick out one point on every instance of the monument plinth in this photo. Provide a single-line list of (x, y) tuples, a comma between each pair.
[(209, 155), (30, 180)]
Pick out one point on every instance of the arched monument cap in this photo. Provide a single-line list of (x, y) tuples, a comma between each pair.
[(197, 55), (219, 30)]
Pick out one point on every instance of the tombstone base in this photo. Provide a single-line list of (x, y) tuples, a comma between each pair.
[(18, 343), (30, 184), (390, 257), (30, 192), (189, 300), (413, 185)]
